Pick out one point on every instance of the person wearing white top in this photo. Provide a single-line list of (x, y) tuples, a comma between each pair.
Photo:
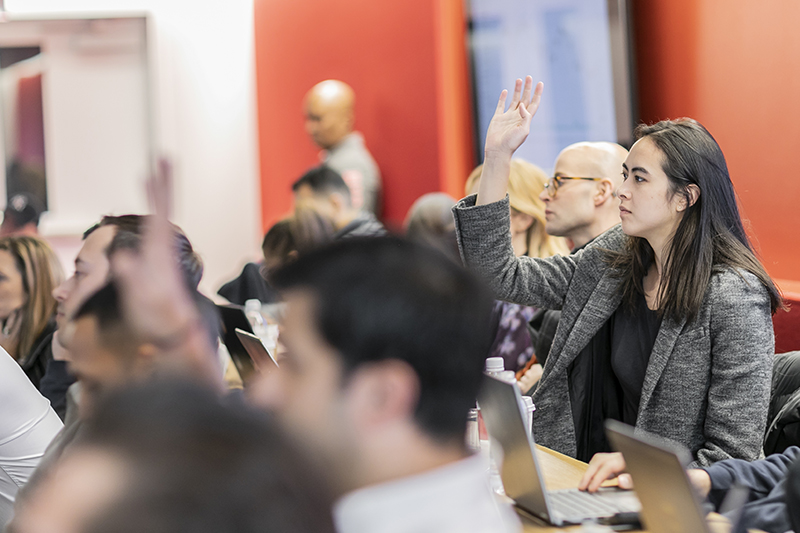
[(27, 425), (450, 499), (385, 343)]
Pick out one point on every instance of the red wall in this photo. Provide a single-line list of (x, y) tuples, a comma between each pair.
[(405, 60), (734, 65)]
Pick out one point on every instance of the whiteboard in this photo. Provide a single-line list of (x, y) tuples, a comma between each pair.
[(570, 45)]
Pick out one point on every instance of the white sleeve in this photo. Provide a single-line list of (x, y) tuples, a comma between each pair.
[(27, 425)]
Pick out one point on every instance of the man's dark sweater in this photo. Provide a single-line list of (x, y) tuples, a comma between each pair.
[(766, 479)]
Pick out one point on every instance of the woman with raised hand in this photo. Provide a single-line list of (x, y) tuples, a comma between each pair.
[(666, 320), (29, 271)]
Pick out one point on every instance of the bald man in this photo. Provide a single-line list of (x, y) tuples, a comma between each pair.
[(582, 209), (330, 117), (580, 204)]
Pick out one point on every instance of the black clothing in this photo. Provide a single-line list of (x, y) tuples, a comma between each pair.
[(605, 380), (365, 225), (783, 422), (55, 382), (633, 334), (35, 363), (249, 285), (767, 508)]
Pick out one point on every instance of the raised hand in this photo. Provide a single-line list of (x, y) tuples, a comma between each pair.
[(509, 128), (156, 302), (507, 131)]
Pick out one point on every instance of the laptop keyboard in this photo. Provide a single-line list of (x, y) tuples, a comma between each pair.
[(575, 505)]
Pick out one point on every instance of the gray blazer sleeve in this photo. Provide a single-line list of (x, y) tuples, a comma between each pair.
[(742, 348), (484, 240)]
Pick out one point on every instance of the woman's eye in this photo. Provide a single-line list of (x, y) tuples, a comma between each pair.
[(638, 179), (624, 176)]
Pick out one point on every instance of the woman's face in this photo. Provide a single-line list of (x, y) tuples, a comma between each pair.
[(12, 295), (647, 207)]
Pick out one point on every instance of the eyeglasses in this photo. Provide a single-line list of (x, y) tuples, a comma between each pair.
[(554, 183)]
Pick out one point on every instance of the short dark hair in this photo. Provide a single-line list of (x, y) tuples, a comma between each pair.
[(388, 298), (323, 180), (198, 464), (105, 306), (129, 237), (279, 241)]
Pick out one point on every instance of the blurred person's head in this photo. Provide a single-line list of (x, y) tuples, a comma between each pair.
[(329, 113), (170, 457), (29, 271), (430, 221), (106, 354), (582, 209), (385, 345), (323, 191), (310, 229), (526, 182), (21, 216), (278, 245), (93, 263)]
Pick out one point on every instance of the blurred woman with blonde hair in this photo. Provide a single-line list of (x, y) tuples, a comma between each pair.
[(528, 238), (29, 271)]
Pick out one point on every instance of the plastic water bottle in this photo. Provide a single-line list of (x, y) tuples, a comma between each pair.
[(529, 409), (494, 365), (496, 368), (252, 309)]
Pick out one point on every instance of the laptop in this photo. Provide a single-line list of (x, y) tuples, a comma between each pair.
[(669, 501), (233, 318), (522, 476), (259, 354)]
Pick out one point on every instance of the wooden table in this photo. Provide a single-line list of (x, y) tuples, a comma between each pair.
[(560, 472)]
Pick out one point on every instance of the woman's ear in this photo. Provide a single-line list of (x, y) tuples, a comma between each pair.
[(692, 194)]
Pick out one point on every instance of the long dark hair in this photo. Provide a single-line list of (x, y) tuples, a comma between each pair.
[(709, 235)]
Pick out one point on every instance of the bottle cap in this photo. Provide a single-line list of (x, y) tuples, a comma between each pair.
[(495, 364), (252, 305), (528, 401)]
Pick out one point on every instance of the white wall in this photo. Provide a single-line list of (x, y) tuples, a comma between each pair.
[(201, 59)]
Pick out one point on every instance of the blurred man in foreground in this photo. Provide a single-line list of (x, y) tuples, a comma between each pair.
[(385, 344), (172, 457)]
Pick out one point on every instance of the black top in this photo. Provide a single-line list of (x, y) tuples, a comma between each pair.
[(35, 363), (633, 334)]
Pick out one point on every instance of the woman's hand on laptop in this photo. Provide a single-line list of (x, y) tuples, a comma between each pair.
[(602, 467)]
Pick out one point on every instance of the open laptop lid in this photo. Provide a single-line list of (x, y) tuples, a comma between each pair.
[(499, 402), (262, 358), (233, 318), (669, 501)]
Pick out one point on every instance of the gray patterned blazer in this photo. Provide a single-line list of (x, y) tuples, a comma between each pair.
[(707, 383)]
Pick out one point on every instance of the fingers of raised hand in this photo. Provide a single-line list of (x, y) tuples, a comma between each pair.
[(536, 98), (517, 90), (526, 92), (501, 103)]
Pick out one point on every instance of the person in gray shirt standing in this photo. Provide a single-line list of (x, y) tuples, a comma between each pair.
[(329, 112)]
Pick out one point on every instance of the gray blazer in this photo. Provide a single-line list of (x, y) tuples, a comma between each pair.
[(707, 383)]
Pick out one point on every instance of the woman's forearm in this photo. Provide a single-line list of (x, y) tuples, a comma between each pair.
[(494, 178)]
